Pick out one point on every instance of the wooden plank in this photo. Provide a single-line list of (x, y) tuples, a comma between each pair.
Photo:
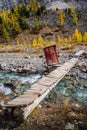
[(32, 97), (30, 108), (41, 91), (46, 81)]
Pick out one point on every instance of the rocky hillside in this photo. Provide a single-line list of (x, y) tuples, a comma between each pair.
[(7, 4)]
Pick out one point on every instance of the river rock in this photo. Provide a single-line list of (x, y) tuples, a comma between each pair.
[(9, 85), (69, 126), (72, 114), (85, 86)]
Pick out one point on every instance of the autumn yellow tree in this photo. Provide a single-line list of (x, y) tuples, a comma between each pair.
[(17, 42), (74, 16), (40, 41), (33, 6), (65, 40), (34, 43), (29, 45), (61, 17), (79, 39), (85, 37), (58, 41), (5, 34), (4, 16), (15, 11), (69, 39), (75, 35)]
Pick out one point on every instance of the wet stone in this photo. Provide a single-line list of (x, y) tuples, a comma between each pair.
[(9, 85)]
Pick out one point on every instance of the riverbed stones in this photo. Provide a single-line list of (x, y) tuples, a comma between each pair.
[(9, 85), (69, 126), (19, 63)]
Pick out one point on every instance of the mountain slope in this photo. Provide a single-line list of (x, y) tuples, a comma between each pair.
[(7, 4)]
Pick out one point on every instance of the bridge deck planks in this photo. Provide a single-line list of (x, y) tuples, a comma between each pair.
[(34, 95)]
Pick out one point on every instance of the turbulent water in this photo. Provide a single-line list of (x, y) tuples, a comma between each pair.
[(15, 83), (72, 90), (69, 88)]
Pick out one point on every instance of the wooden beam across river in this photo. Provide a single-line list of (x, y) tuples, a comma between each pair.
[(34, 95)]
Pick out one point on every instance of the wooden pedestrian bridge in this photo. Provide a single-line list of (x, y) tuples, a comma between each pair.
[(38, 91)]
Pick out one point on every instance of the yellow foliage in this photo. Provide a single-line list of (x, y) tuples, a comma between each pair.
[(79, 39), (4, 16), (69, 45), (33, 5), (69, 39), (73, 14), (24, 43), (65, 40), (8, 46), (40, 41), (38, 5), (61, 17), (34, 43), (75, 35), (59, 39), (54, 8), (85, 37), (29, 45), (18, 42)]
